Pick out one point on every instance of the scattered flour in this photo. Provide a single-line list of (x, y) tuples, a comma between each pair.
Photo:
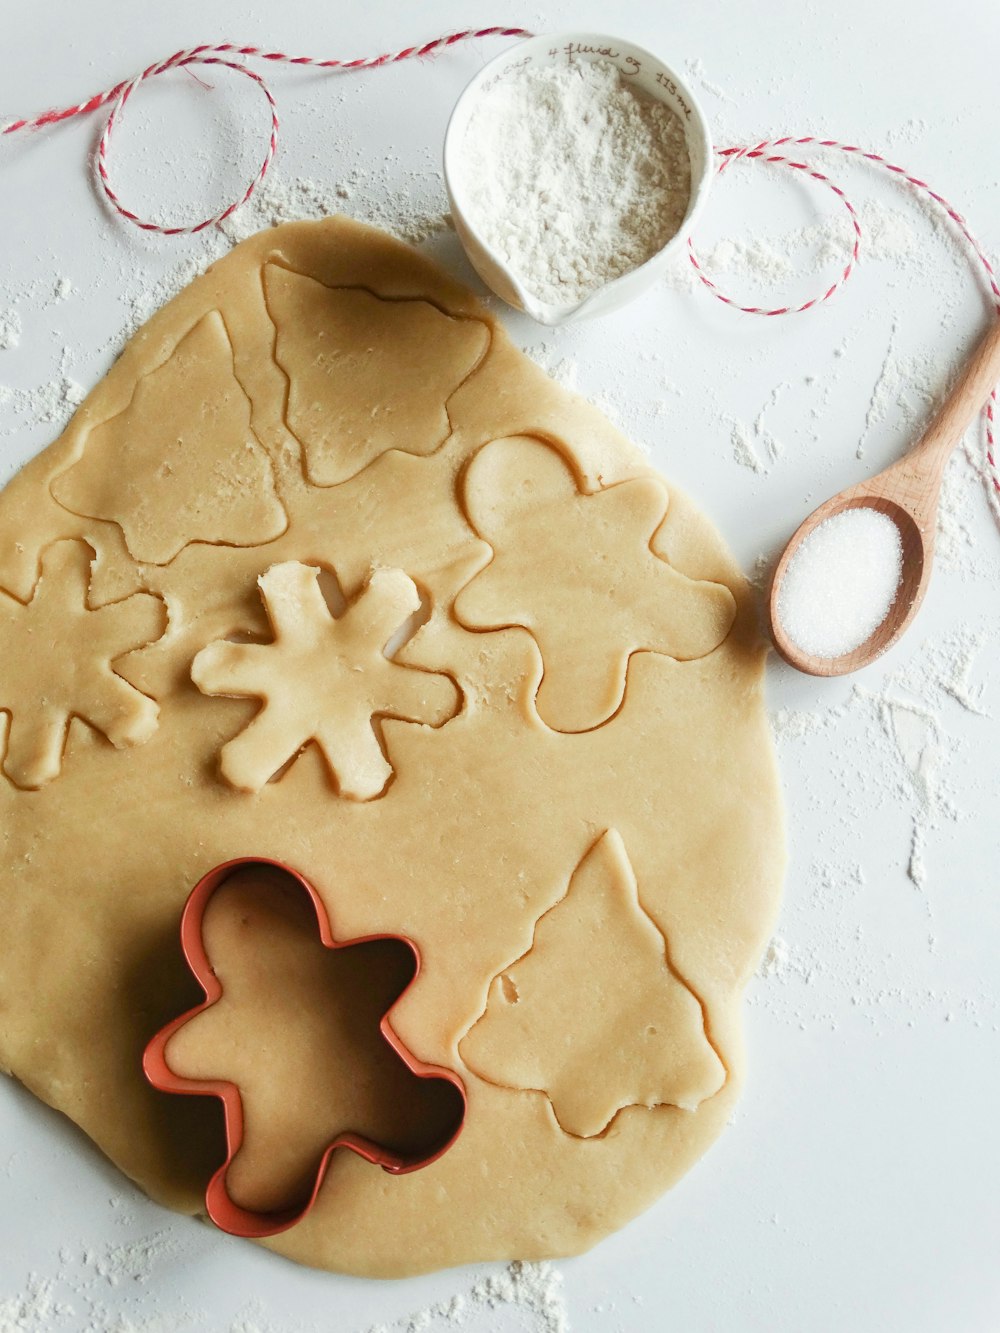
[(910, 769), (916, 733), (835, 961), (775, 960), (559, 367), (573, 176), (744, 449), (136, 1260), (755, 445), (33, 1309), (10, 329), (884, 391), (908, 390), (973, 453), (532, 1291), (949, 664), (762, 265), (622, 408), (123, 1288), (535, 1289), (366, 193), (696, 69), (51, 402), (789, 724)]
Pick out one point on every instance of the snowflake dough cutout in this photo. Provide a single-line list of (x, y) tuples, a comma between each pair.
[(596, 954), (56, 665), (605, 585), (324, 680)]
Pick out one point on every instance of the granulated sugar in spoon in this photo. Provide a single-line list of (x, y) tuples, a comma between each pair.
[(854, 574)]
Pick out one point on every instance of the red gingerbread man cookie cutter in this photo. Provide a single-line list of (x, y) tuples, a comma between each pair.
[(228, 1215)]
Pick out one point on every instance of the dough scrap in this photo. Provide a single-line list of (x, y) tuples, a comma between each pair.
[(593, 1015), (298, 1031), (478, 832), (181, 463), (605, 594), (401, 359), (58, 652), (323, 680)]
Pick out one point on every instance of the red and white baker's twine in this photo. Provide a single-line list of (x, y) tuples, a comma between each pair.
[(233, 57), (762, 152), (218, 54), (730, 155)]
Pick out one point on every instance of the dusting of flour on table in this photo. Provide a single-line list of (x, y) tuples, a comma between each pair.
[(853, 947), (573, 176), (10, 329), (50, 403), (123, 1287)]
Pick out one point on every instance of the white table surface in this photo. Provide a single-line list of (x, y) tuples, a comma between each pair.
[(859, 1187)]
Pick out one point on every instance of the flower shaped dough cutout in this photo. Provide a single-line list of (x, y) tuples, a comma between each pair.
[(294, 1036), (603, 595), (324, 680), (55, 665)]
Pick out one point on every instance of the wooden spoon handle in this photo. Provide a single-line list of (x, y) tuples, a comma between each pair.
[(980, 376), (915, 480)]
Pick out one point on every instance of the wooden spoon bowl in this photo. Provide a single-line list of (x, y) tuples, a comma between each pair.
[(907, 492), (915, 575)]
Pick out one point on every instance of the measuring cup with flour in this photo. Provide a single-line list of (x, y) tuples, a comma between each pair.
[(576, 166)]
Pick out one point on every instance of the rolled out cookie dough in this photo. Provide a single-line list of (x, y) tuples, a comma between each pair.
[(348, 583)]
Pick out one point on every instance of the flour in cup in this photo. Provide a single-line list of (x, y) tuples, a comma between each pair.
[(573, 176)]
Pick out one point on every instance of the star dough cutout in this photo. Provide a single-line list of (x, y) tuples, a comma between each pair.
[(55, 665), (324, 680), (605, 594)]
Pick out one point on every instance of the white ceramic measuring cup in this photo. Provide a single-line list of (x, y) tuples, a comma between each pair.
[(645, 71)]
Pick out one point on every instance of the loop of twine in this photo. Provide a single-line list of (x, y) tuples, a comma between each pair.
[(119, 106), (220, 53), (761, 152), (731, 155), (208, 54)]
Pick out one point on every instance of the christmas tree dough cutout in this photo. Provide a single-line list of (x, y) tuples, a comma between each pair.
[(594, 1015), (58, 652), (365, 374), (604, 594), (180, 464), (324, 680)]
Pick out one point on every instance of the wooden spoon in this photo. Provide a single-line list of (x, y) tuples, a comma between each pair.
[(907, 492)]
